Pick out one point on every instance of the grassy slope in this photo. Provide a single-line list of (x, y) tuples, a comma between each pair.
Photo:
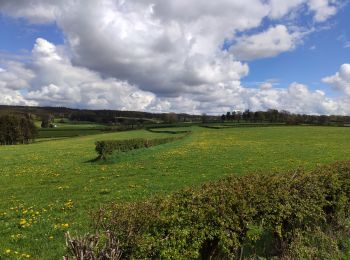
[(52, 183)]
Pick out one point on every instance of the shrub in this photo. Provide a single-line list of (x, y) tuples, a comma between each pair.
[(107, 148), (293, 215)]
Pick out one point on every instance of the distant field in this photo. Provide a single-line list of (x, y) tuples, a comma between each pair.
[(56, 133), (49, 187), (69, 129)]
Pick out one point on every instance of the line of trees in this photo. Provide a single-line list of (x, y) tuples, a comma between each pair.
[(275, 116), (98, 116), (16, 129)]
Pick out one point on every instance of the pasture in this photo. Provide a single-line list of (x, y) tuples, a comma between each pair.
[(69, 129), (49, 187)]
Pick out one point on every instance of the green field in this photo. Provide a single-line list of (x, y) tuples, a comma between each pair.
[(69, 129), (50, 187)]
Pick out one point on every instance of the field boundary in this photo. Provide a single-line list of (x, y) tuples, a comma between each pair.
[(225, 126), (105, 149), (231, 218)]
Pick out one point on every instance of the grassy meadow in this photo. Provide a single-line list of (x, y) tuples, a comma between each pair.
[(49, 187)]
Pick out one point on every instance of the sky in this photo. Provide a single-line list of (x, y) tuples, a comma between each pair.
[(193, 56)]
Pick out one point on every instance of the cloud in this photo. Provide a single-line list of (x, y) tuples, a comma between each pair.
[(158, 55), (269, 43), (340, 81), (51, 78), (15, 76), (279, 9), (266, 86), (159, 46), (14, 97), (323, 9), (35, 11), (164, 46), (60, 82)]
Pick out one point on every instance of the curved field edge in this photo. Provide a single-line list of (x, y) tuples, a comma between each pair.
[(51, 186), (108, 148)]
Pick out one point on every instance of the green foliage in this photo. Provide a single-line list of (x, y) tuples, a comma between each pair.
[(107, 148), (44, 176), (47, 121), (291, 215), (16, 130)]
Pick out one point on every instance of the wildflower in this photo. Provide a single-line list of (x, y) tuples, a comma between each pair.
[(22, 222), (7, 251)]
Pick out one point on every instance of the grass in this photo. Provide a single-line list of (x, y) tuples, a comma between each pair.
[(69, 129), (59, 133), (49, 187)]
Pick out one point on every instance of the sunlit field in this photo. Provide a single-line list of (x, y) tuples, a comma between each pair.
[(49, 188)]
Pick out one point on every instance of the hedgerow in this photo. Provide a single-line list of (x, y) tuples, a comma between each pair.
[(292, 215), (240, 125), (107, 148), (168, 131)]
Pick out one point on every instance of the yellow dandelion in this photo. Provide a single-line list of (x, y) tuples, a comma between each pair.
[(22, 221)]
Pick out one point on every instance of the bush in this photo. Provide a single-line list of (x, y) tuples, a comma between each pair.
[(107, 148), (293, 215)]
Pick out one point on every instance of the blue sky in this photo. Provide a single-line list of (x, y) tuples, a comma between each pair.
[(318, 56), (165, 56), (19, 34)]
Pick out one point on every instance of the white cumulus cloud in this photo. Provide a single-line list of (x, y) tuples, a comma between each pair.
[(159, 55), (340, 81), (269, 43), (323, 9)]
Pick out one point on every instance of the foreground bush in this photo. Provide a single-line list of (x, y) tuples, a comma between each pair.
[(294, 215), (107, 148)]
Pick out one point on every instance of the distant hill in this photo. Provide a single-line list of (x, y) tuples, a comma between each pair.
[(99, 116)]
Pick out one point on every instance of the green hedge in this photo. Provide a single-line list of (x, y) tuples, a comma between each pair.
[(107, 148), (293, 215), (237, 125), (168, 131)]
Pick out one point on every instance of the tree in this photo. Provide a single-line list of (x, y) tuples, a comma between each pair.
[(259, 116), (170, 118), (47, 121), (16, 130), (223, 117), (273, 115), (238, 116), (228, 116), (205, 118), (234, 115), (246, 115)]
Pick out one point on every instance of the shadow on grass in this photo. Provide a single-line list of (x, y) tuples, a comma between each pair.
[(97, 159)]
